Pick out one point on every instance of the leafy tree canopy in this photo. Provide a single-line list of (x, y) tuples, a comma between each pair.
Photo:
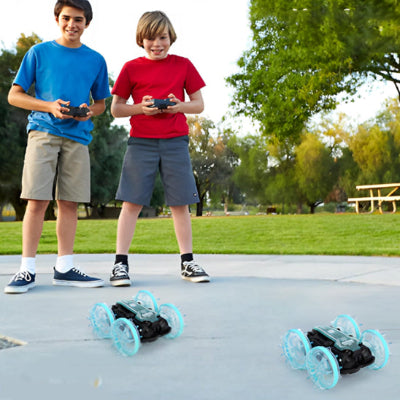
[(306, 52)]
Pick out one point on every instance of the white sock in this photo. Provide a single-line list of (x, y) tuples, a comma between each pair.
[(64, 263), (28, 264)]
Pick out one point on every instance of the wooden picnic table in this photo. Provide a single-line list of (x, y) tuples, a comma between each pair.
[(375, 195)]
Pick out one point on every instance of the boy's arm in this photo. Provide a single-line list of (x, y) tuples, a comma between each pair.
[(120, 109), (98, 107), (19, 98), (194, 106)]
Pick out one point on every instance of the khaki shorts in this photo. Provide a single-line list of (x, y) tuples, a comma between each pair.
[(50, 160)]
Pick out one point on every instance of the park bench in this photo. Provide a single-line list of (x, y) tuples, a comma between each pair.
[(378, 197)]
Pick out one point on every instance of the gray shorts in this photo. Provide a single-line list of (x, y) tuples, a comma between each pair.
[(53, 159), (144, 158)]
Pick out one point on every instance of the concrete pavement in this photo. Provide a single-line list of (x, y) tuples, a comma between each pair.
[(230, 348)]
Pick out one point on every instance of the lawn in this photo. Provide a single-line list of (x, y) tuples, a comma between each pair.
[(328, 234)]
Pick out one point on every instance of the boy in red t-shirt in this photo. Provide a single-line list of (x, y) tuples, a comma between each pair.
[(158, 140)]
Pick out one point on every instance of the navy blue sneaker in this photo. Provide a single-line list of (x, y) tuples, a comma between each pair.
[(21, 282), (77, 278)]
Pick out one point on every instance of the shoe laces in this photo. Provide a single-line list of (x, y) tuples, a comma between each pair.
[(192, 265), (22, 276), (78, 271), (120, 269)]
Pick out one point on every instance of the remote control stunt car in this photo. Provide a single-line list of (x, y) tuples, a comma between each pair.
[(340, 348), (130, 322), (162, 104)]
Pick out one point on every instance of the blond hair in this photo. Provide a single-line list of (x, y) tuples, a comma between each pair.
[(152, 24)]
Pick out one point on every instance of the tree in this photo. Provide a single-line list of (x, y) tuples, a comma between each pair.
[(223, 185), (305, 53), (273, 172), (12, 127), (281, 184), (212, 160), (371, 149), (348, 173), (251, 174), (106, 155), (315, 170), (375, 148)]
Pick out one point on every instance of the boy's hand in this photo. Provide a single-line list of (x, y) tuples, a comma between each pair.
[(88, 115), (176, 108), (147, 102), (61, 107), (148, 109), (56, 108)]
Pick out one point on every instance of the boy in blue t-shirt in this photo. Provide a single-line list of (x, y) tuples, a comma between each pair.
[(66, 73)]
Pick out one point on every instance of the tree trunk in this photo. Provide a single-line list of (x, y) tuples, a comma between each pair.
[(199, 209), (87, 210), (200, 204)]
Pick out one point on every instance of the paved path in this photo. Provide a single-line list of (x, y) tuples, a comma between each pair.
[(230, 348)]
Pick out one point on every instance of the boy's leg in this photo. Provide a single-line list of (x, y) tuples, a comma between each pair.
[(126, 226), (138, 174), (65, 273), (37, 182), (183, 228), (180, 188), (67, 219), (190, 270), (40, 164), (125, 231), (32, 226), (73, 183)]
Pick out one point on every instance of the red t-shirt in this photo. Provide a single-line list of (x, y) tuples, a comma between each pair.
[(158, 78)]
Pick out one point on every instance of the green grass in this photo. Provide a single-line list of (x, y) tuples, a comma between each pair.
[(328, 234)]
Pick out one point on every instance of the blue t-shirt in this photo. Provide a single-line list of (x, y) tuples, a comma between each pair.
[(69, 74)]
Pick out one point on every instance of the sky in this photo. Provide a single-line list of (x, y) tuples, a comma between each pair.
[(213, 34)]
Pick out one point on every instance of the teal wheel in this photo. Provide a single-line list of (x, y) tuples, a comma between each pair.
[(295, 348), (347, 325), (378, 346), (125, 336), (146, 299), (174, 319), (322, 367), (101, 319)]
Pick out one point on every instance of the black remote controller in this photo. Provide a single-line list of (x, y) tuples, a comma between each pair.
[(76, 111), (162, 104)]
